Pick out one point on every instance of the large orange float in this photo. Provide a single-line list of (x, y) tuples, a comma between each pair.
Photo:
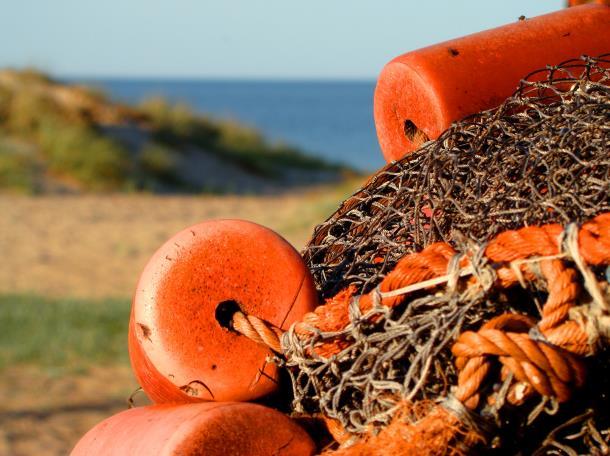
[(181, 344), (421, 93), (196, 429)]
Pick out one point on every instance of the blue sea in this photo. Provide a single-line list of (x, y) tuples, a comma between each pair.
[(331, 119)]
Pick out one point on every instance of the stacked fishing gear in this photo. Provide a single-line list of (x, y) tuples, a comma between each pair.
[(539, 160), (458, 303)]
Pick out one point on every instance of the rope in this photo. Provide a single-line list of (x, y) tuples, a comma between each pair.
[(539, 365), (426, 269), (258, 330), (543, 357)]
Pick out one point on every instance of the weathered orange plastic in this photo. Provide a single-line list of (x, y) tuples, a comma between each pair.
[(210, 429), (179, 350), (583, 2), (428, 89)]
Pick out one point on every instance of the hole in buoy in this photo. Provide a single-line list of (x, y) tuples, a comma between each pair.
[(410, 129), (414, 134), (224, 312)]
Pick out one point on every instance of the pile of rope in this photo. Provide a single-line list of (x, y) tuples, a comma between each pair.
[(466, 287)]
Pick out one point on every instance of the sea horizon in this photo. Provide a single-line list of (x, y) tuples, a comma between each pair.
[(179, 78), (328, 118)]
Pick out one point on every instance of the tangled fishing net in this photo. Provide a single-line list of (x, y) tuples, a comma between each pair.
[(541, 158)]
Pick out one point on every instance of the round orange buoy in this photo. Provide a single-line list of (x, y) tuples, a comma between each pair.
[(421, 93), (196, 429), (180, 342)]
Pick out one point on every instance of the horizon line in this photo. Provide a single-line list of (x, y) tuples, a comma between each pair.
[(175, 77), (215, 78)]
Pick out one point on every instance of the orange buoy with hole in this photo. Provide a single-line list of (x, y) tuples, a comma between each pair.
[(212, 428), (181, 346), (421, 93)]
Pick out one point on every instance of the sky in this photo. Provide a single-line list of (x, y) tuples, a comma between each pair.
[(240, 39)]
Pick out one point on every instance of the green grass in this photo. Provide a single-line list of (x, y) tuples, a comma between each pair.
[(98, 163), (62, 334), (17, 173)]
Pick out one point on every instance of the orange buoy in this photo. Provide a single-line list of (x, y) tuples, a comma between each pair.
[(180, 342), (210, 428), (582, 2), (421, 93)]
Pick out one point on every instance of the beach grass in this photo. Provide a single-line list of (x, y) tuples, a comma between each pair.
[(176, 124), (62, 335)]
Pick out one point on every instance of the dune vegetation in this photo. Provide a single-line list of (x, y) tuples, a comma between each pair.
[(59, 137)]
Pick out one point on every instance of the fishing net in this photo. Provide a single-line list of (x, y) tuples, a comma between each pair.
[(541, 157)]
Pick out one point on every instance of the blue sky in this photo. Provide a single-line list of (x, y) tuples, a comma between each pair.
[(238, 38)]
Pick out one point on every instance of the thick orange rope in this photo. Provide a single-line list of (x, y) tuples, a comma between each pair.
[(417, 267), (507, 247), (550, 366)]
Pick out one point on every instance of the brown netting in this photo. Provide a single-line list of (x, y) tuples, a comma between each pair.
[(542, 157)]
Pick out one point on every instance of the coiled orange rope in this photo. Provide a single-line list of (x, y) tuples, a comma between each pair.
[(543, 357)]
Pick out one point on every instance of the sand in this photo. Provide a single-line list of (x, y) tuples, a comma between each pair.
[(96, 246)]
